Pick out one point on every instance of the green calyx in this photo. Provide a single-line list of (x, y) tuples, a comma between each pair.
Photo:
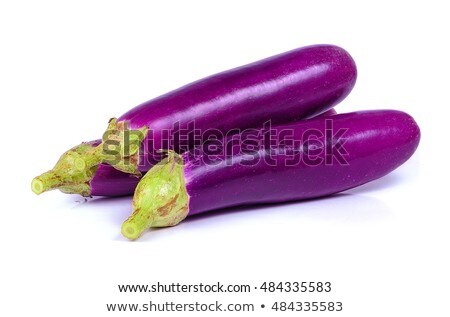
[(65, 175), (120, 147), (160, 199), (76, 167)]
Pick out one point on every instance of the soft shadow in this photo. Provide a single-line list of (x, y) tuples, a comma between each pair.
[(350, 206), (109, 202), (118, 208), (337, 206), (406, 173), (99, 200), (390, 180)]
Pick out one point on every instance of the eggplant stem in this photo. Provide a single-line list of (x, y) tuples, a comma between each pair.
[(65, 174), (160, 199), (133, 227), (76, 167), (47, 181), (37, 186)]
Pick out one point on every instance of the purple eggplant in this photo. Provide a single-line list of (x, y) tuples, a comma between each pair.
[(108, 181), (303, 160), (284, 88)]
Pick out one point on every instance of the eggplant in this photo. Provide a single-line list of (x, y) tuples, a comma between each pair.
[(284, 88), (303, 160), (108, 181)]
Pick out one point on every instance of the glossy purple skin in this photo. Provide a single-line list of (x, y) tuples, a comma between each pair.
[(377, 142), (327, 113), (108, 181), (284, 88)]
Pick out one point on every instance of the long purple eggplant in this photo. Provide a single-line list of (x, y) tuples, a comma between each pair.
[(304, 160), (108, 181), (283, 88)]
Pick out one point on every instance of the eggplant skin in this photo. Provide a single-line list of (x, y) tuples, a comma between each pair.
[(110, 182), (372, 143), (283, 88), (295, 85)]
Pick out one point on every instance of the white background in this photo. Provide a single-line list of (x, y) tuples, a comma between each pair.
[(67, 67)]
